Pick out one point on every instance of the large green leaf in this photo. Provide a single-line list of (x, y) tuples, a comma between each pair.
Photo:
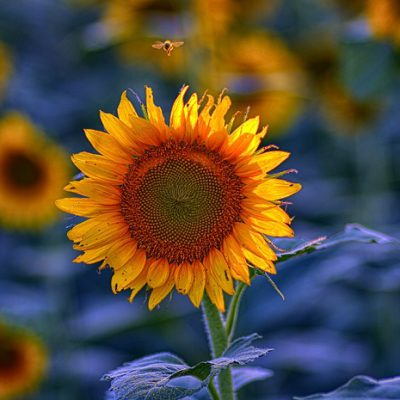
[(351, 233), (167, 377), (362, 388)]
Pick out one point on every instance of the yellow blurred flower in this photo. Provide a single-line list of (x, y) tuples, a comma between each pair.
[(23, 362), (383, 17), (5, 68), (345, 113), (33, 171), (183, 206), (260, 72), (218, 17), (134, 25)]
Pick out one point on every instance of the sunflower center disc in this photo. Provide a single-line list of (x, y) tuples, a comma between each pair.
[(21, 171), (180, 200)]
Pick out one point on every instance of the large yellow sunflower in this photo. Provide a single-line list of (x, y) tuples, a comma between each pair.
[(185, 205), (33, 171), (23, 362)]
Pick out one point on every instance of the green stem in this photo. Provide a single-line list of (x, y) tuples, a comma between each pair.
[(218, 341), (233, 311), (213, 391)]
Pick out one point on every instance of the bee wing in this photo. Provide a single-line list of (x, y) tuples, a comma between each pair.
[(177, 44), (157, 45)]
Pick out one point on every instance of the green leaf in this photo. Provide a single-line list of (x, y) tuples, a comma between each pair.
[(164, 376), (351, 233), (362, 388)]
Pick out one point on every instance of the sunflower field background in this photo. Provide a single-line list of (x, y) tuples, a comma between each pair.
[(324, 75)]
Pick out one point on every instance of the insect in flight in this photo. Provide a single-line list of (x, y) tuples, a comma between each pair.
[(167, 46)]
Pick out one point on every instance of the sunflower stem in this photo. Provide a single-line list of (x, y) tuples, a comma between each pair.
[(218, 341), (213, 391), (233, 311)]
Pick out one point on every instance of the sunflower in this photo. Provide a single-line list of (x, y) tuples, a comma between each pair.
[(262, 73), (23, 361), (33, 171), (383, 17), (134, 25), (183, 205)]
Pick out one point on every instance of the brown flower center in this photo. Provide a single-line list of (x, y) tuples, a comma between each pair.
[(11, 357), (21, 171), (180, 200)]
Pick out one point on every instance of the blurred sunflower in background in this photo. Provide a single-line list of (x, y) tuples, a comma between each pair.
[(345, 113), (5, 68), (23, 361), (185, 205), (132, 26), (383, 17), (33, 171), (262, 73)]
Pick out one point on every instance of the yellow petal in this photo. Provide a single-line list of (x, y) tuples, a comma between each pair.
[(177, 118), (199, 281), (126, 110), (275, 189), (158, 294), (183, 278), (82, 207), (158, 273), (125, 275), (216, 140), (103, 194), (248, 127), (259, 262), (99, 167), (241, 273), (78, 231), (145, 133), (217, 121), (102, 234), (106, 145), (262, 163), (205, 115), (191, 115), (236, 260), (121, 132), (270, 228), (137, 284), (214, 292), (271, 159), (155, 113), (216, 266), (92, 256), (253, 241), (268, 213), (245, 144), (121, 252)]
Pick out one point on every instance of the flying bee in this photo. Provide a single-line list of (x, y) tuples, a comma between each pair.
[(167, 46)]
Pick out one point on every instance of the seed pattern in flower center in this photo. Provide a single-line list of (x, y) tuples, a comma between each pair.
[(180, 200)]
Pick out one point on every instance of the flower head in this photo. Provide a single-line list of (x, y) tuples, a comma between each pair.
[(23, 361), (33, 171), (185, 205)]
